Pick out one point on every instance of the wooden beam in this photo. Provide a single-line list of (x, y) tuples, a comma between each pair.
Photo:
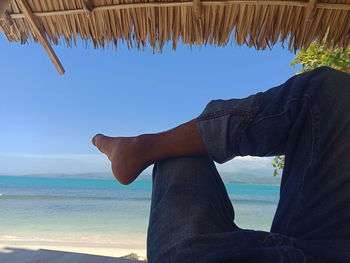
[(39, 34), (327, 6), (4, 15), (4, 4), (88, 7), (311, 10), (197, 9)]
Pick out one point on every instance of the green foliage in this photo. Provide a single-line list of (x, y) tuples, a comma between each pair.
[(278, 164), (317, 55)]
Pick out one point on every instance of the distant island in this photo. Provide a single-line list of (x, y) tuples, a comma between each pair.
[(238, 178), (242, 178)]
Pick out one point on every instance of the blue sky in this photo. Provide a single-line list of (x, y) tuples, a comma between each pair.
[(47, 120)]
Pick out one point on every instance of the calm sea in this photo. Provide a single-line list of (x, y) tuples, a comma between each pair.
[(70, 209)]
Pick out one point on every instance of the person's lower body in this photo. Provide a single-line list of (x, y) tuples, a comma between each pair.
[(192, 220), (308, 120)]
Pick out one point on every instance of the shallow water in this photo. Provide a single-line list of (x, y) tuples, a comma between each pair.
[(70, 209)]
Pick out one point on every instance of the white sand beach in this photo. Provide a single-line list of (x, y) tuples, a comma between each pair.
[(26, 252)]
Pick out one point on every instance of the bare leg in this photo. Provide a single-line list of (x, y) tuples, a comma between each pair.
[(307, 119), (131, 155)]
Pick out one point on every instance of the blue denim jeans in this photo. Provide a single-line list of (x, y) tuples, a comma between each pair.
[(307, 119)]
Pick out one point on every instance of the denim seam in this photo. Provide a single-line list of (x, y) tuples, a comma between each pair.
[(278, 114), (229, 111), (315, 124), (302, 180), (301, 184), (292, 243), (275, 239), (248, 118), (221, 113)]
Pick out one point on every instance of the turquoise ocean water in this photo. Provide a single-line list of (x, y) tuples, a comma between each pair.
[(71, 209)]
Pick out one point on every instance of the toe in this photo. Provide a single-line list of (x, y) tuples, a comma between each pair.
[(96, 140)]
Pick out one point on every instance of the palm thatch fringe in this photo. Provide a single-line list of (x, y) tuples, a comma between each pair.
[(142, 23), (257, 23)]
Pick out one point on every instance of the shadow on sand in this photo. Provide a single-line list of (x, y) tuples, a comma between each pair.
[(17, 255)]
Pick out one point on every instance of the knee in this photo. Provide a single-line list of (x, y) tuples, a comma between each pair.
[(182, 165), (330, 84), (182, 168), (329, 95), (187, 160), (326, 74)]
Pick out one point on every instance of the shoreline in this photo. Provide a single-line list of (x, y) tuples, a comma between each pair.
[(116, 249)]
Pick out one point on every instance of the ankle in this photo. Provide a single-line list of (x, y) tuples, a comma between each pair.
[(184, 140), (146, 147)]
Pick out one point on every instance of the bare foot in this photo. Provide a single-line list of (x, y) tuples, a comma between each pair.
[(128, 155)]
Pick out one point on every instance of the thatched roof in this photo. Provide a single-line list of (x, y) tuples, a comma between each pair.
[(139, 23)]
